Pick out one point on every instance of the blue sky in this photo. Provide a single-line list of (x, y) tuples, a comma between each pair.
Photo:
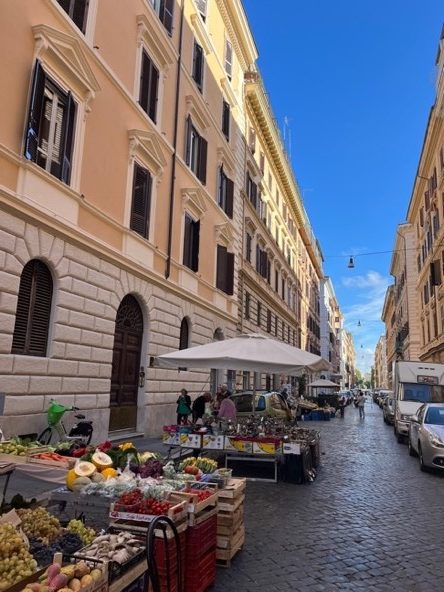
[(356, 81)]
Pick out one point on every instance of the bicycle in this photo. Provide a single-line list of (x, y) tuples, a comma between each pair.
[(81, 432)]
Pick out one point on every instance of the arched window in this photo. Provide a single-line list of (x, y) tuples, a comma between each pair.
[(33, 310), (184, 339)]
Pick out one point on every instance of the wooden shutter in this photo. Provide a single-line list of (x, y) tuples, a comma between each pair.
[(35, 112), (195, 245), (228, 59), (202, 8), (166, 14), (221, 271), (226, 119), (33, 310), (202, 166), (198, 65), (187, 241), (152, 109), (68, 139), (229, 193), (140, 208), (79, 13), (189, 127), (149, 83), (230, 274)]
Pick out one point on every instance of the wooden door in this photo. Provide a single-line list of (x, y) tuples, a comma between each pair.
[(126, 365)]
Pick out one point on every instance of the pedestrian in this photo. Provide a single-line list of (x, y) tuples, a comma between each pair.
[(227, 409), (199, 406), (342, 404), (183, 407), (361, 403)]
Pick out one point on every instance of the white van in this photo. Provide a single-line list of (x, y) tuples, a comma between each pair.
[(415, 383)]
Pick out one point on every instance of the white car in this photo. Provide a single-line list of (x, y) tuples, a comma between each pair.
[(426, 436)]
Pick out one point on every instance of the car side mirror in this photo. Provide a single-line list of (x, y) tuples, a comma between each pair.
[(414, 418)]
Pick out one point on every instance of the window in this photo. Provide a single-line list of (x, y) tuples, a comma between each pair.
[(262, 162), (283, 331), (141, 202), (149, 82), (248, 248), (283, 289), (276, 325), (259, 314), (196, 154), (198, 65), (441, 158), (251, 190), (202, 8), (164, 10), (226, 119), (276, 280), (269, 321), (184, 339), (228, 59), (77, 11), (247, 305), (33, 312), (50, 129), (225, 270), (262, 263), (191, 243), (225, 193)]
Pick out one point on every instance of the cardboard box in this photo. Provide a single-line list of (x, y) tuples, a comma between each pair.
[(211, 442), (170, 438), (233, 444), (291, 448), (266, 448), (191, 440)]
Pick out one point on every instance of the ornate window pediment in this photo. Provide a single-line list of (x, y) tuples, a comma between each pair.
[(197, 112), (200, 32), (64, 55), (224, 234), (160, 47), (193, 200), (146, 146), (225, 157), (250, 226)]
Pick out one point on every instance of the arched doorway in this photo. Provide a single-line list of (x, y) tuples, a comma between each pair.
[(126, 365)]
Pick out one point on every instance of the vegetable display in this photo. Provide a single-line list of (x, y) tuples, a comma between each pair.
[(86, 533), (38, 523), (69, 578), (119, 547)]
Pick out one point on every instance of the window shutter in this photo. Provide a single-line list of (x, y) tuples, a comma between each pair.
[(152, 110), (203, 148), (187, 241), (189, 126), (221, 270), (230, 274), (141, 201), (228, 59), (195, 245), (35, 111), (229, 197), (166, 14), (79, 13), (202, 8), (145, 75), (33, 310), (198, 65), (68, 139), (226, 119)]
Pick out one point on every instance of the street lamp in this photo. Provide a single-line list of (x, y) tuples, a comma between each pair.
[(351, 263)]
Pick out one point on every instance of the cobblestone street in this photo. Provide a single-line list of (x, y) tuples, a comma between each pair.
[(371, 520)]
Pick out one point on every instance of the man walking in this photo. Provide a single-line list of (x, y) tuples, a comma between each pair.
[(361, 403)]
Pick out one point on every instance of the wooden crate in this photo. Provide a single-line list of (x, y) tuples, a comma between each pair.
[(229, 522), (196, 519), (230, 504), (225, 556), (233, 490), (230, 541), (176, 513), (194, 505)]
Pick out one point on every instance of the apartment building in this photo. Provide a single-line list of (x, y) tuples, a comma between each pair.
[(145, 197), (121, 166), (331, 327), (381, 379), (405, 273), (347, 359), (388, 317), (281, 265)]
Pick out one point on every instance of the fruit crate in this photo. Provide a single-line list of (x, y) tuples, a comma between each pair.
[(194, 506), (234, 489), (201, 574), (201, 538), (230, 541), (225, 556), (31, 457), (176, 513), (230, 504), (229, 522), (115, 570)]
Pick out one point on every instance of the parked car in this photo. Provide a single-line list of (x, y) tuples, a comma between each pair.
[(388, 409), (265, 403), (382, 397), (426, 436)]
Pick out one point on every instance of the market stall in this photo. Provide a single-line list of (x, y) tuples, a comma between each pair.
[(125, 520)]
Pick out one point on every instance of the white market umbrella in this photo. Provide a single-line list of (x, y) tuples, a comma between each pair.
[(253, 352), (323, 383)]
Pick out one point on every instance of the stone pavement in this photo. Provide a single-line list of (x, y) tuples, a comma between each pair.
[(370, 522)]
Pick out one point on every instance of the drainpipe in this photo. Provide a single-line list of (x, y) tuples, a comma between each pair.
[(173, 161)]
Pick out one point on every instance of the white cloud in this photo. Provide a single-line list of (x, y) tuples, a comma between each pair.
[(369, 295)]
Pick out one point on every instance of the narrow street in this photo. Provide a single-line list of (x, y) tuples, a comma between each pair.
[(371, 521)]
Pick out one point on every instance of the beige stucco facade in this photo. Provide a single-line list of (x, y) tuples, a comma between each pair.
[(381, 378), (388, 317), (82, 227)]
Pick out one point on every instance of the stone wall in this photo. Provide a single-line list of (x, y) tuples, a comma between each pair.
[(87, 293)]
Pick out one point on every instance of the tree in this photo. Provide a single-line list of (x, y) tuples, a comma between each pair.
[(372, 378), (359, 380)]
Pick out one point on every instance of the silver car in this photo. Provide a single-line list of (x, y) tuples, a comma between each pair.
[(426, 436), (388, 409)]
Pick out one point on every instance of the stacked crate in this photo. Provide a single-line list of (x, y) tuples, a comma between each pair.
[(230, 521), (200, 564)]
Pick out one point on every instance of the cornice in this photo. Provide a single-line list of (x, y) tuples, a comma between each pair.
[(200, 33), (157, 44), (239, 32)]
